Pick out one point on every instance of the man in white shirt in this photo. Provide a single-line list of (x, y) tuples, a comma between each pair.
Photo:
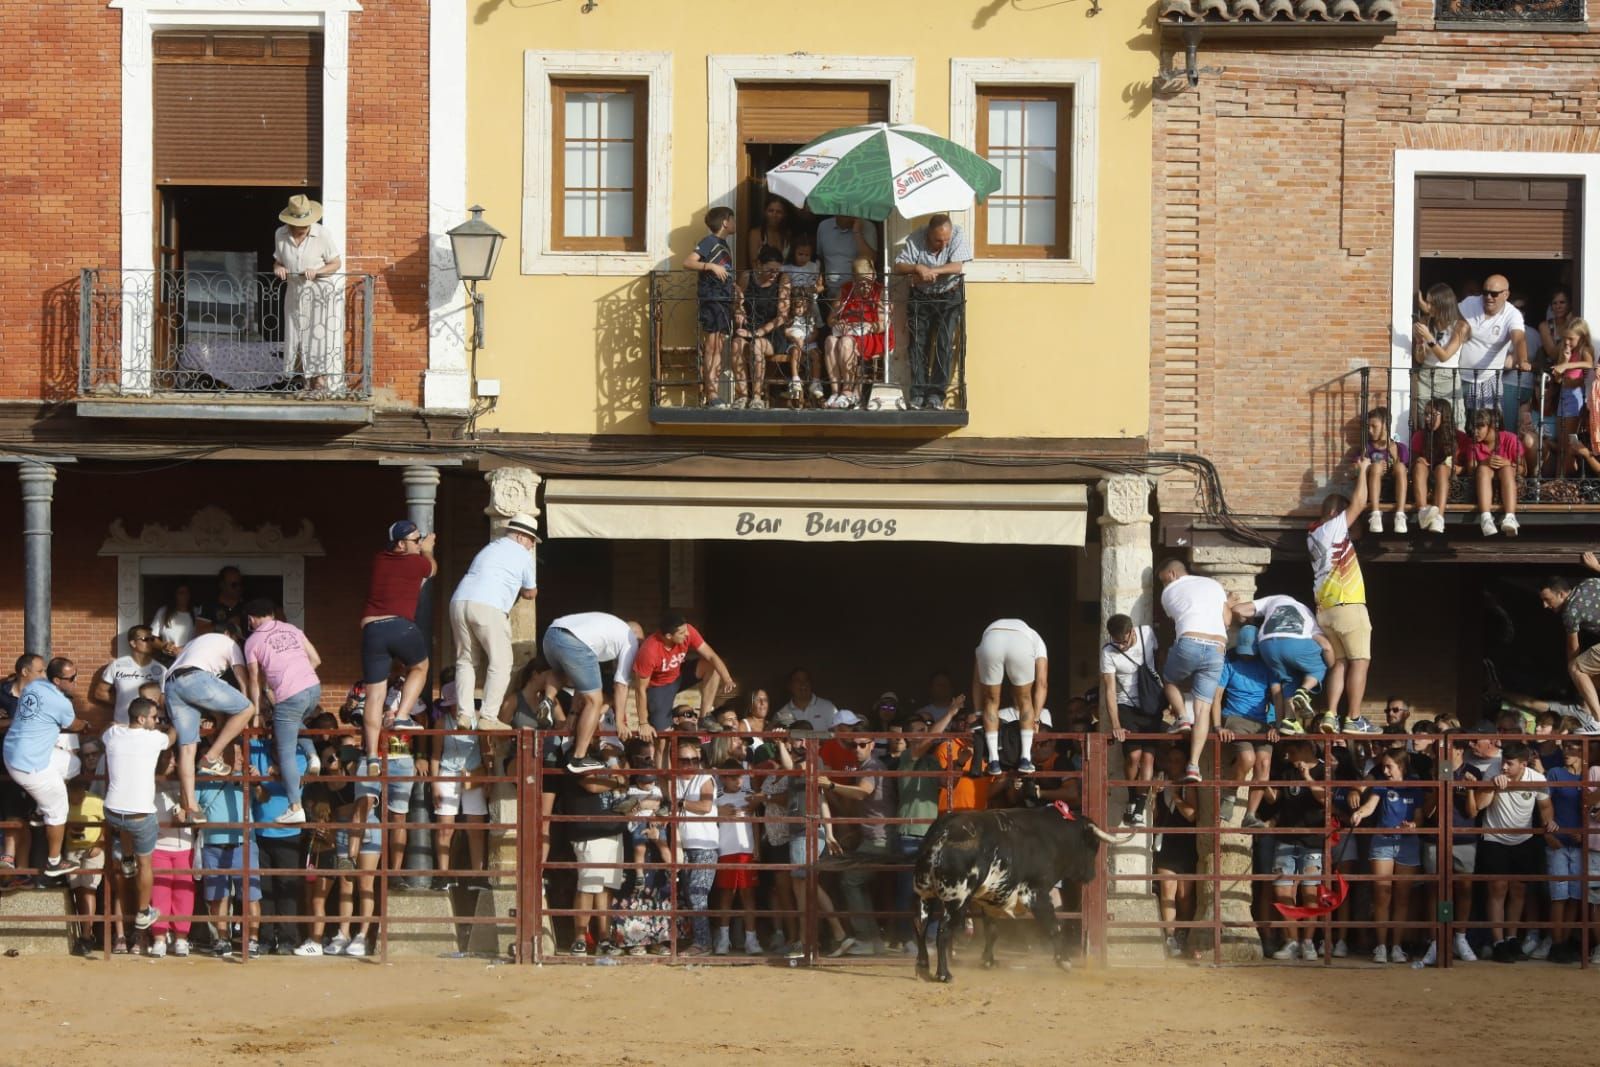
[(132, 751), (804, 703), (118, 682), (1497, 344), (1291, 645), (194, 686), (1131, 701), (480, 617), (1199, 610), (575, 646), (1010, 651), (1517, 853)]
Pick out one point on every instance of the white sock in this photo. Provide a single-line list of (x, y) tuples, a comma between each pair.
[(1027, 744), (991, 741)]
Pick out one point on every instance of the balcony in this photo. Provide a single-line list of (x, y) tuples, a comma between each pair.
[(224, 344), (885, 390), (1547, 15)]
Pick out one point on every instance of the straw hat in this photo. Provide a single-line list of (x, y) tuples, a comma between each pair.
[(302, 211)]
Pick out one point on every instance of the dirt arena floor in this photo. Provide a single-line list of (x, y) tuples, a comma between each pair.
[(423, 1012)]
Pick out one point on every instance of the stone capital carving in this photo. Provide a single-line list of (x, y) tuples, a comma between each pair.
[(1127, 499), (512, 490), (212, 532)]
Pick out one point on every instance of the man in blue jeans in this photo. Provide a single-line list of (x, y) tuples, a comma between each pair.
[(285, 658), (1199, 610), (194, 687), (575, 646)]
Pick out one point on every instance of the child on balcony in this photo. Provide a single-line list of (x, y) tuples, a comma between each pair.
[(712, 259), (1389, 457), (805, 321), (1435, 448), (1576, 360), (1493, 456)]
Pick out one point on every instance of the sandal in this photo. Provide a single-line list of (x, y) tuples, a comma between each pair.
[(119, 947), (696, 950)]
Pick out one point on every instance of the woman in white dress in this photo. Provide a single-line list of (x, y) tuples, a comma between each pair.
[(173, 624), (306, 258)]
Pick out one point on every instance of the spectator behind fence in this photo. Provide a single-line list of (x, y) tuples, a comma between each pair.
[(224, 849), (1394, 858), (917, 799), (281, 655), (1176, 807), (389, 632), (279, 845), (1341, 594), (43, 712), (1244, 712), (1579, 608), (597, 847), (1389, 458), (455, 798), (194, 687), (1297, 858), (120, 680), (16, 807), (1292, 646), (1511, 853), (934, 258), (1198, 608), (172, 891), (502, 573), (712, 259), (699, 839), (1131, 700), (735, 881), (764, 298), (869, 796), (802, 334), (658, 677), (841, 241), (1495, 345), (132, 752), (1492, 458), (173, 623), (85, 852), (857, 332), (776, 232), (1564, 854), (804, 703), (1437, 445)]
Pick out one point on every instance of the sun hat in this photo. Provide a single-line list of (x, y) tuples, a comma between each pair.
[(302, 211), (524, 524)]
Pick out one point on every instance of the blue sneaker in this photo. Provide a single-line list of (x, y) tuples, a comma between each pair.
[(1026, 767), (993, 769)]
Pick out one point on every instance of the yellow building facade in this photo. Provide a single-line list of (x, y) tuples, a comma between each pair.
[(600, 134)]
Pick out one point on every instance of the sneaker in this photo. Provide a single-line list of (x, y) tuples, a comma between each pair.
[(1290, 951), (816, 389), (1400, 526), (1431, 957), (1530, 943), (158, 948), (1541, 951), (1191, 773), (610, 950), (1564, 953), (1251, 822), (638, 950), (660, 949), (1138, 816), (1398, 955), (146, 918), (795, 389), (215, 767), (842, 947), (583, 764), (757, 404), (740, 403), (1437, 525), (1181, 726), (1173, 949), (356, 947), (180, 947), (1506, 951), (723, 947), (57, 869), (336, 945), (993, 769), (222, 949), (489, 722), (1375, 521), (293, 815), (1128, 815), (1340, 949), (1380, 955), (308, 947), (1463, 949), (864, 948), (1509, 526), (254, 946), (1594, 956), (1308, 950), (752, 945), (1486, 524), (1300, 703), (1025, 766)]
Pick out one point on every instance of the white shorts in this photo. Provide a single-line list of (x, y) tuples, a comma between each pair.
[(48, 790), (599, 850), (450, 799), (1005, 656)]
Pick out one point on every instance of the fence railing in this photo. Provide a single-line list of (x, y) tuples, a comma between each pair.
[(806, 344), (144, 332), (1509, 11)]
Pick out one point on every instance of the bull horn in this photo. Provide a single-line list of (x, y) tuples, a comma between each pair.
[(1108, 839)]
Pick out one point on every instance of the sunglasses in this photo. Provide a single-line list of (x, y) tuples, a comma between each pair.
[(68, 678), (865, 744), (1495, 292), (1396, 710), (141, 639)]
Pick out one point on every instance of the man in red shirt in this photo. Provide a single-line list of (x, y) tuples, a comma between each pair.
[(659, 664), (388, 626)]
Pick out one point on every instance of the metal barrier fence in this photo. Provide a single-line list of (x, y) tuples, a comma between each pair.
[(528, 880), (222, 329)]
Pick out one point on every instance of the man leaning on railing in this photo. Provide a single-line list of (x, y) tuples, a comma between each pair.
[(934, 257)]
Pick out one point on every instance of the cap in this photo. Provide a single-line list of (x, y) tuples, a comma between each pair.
[(846, 718), (1246, 645), (447, 695), (399, 531), (524, 524), (888, 698), (784, 717), (689, 698)]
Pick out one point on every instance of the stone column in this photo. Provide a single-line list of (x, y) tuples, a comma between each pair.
[(1237, 569), (422, 494), (38, 482)]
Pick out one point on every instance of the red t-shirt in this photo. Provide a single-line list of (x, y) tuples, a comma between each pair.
[(1506, 446), (396, 584), (660, 661)]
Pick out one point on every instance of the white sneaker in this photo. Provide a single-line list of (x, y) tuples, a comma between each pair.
[(1594, 956), (1400, 526), (180, 946), (1463, 950), (1340, 949), (1541, 951), (1290, 951), (158, 947), (1398, 955), (1380, 955), (1308, 950), (308, 947), (1375, 521), (1174, 950), (1431, 957), (1436, 523), (723, 947), (293, 815), (336, 945), (356, 947), (752, 945), (1530, 944), (1509, 526), (1486, 524)]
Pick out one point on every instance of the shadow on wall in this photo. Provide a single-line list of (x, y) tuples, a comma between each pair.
[(988, 11), (1338, 415), (59, 340), (621, 337)]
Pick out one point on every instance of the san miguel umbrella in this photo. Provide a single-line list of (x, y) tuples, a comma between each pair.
[(880, 169)]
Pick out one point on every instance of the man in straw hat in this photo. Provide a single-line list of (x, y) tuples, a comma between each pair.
[(305, 257), (480, 616)]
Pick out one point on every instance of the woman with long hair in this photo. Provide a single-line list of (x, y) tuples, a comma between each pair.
[(1436, 446), (1437, 337), (776, 230)]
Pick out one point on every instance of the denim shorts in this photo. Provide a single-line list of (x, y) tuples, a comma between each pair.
[(401, 768), (574, 659), (1404, 849), (1564, 862), (1570, 406), (190, 695), (387, 640), (371, 840), (224, 857), (1289, 858), (1292, 659), (1196, 663), (143, 828)]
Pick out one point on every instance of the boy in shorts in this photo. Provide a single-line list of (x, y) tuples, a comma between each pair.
[(712, 259)]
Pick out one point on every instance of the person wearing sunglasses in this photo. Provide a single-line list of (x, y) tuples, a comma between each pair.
[(863, 794), (44, 712), (227, 606), (1495, 370), (119, 682)]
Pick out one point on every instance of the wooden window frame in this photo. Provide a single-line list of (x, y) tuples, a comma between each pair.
[(1065, 99), (639, 90)]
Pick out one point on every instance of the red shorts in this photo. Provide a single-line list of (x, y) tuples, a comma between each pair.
[(733, 871)]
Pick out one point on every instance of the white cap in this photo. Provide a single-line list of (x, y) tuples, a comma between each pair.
[(845, 717)]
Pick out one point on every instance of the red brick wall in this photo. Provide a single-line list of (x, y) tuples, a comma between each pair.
[(1273, 194), (60, 132)]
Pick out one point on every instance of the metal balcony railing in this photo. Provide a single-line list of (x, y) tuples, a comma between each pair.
[(743, 353), (1502, 12), (155, 332)]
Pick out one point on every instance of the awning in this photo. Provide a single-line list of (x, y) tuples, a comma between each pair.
[(962, 513)]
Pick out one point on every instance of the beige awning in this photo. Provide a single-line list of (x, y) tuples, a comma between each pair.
[(962, 513)]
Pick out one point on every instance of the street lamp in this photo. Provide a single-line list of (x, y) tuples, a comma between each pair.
[(475, 246)]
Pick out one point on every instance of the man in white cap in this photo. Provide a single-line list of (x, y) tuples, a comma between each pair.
[(480, 616)]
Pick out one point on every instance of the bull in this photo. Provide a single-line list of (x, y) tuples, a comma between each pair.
[(1003, 863)]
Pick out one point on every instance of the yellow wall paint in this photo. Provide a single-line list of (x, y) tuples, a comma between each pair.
[(1044, 359)]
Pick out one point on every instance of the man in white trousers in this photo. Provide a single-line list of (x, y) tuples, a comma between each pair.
[(480, 617)]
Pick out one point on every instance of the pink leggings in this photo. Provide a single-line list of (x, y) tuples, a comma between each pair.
[(172, 894)]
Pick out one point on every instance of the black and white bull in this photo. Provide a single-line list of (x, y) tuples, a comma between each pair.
[(1001, 863)]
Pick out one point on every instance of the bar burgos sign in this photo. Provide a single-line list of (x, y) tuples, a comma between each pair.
[(789, 525)]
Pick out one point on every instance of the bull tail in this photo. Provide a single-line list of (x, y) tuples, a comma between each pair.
[(1109, 839)]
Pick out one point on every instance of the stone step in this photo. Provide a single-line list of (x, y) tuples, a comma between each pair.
[(422, 939), (35, 938)]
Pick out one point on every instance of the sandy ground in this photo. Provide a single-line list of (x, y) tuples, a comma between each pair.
[(289, 1011)]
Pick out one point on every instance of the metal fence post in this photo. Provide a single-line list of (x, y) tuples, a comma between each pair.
[(1094, 901)]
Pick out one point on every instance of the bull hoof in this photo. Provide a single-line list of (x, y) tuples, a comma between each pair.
[(988, 964), (1064, 964), (945, 978)]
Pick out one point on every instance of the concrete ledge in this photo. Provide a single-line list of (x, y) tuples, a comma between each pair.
[(35, 938), (421, 939)]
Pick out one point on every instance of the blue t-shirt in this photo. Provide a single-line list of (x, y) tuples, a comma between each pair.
[(43, 711), (1396, 804), (1567, 803), (277, 797), (500, 571), (1247, 682), (222, 801)]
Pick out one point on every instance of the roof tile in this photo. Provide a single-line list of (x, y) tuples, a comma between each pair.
[(1277, 12)]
